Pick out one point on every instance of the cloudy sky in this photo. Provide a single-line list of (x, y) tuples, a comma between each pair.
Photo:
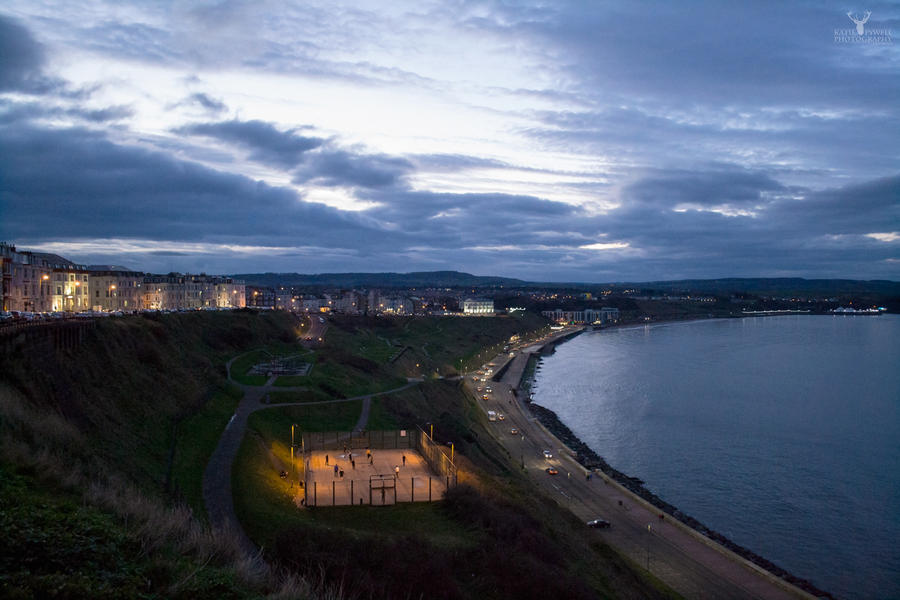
[(553, 141)]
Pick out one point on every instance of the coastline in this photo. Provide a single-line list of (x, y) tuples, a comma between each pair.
[(591, 460)]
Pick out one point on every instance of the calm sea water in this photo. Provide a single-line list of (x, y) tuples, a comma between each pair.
[(783, 433)]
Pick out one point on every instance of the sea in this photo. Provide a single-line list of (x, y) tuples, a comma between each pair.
[(782, 433)]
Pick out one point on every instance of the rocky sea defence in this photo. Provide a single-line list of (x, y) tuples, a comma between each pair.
[(589, 459)]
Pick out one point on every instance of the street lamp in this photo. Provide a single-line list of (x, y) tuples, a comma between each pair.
[(293, 462)]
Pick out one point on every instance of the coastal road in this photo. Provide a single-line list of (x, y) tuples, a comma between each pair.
[(317, 327), (693, 566)]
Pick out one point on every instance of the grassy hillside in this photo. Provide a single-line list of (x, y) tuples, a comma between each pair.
[(103, 446), (91, 496)]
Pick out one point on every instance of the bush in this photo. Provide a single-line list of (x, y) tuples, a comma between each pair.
[(370, 568)]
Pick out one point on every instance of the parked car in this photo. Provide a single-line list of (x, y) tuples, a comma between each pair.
[(599, 524), (548, 454)]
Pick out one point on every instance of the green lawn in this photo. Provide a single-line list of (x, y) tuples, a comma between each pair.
[(375, 345), (381, 418), (197, 438), (303, 396), (243, 364), (291, 381), (343, 381)]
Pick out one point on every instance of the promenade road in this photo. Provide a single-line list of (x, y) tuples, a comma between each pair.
[(686, 561)]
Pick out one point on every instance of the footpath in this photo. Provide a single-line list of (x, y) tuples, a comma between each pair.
[(217, 496)]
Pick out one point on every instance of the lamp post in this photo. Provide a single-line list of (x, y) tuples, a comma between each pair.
[(44, 281), (522, 450), (293, 462), (648, 546)]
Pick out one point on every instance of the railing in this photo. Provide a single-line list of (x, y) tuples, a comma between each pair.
[(434, 455), (397, 439)]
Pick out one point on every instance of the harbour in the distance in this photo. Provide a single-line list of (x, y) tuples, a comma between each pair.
[(780, 433)]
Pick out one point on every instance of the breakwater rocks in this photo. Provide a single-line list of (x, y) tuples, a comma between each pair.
[(591, 460)]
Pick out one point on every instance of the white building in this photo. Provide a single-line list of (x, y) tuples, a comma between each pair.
[(478, 306)]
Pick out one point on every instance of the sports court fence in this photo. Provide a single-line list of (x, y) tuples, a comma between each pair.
[(434, 454)]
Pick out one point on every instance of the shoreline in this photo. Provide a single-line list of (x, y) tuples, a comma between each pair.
[(591, 460)]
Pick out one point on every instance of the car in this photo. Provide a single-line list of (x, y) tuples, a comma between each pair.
[(500, 416), (551, 471), (479, 389), (485, 397), (599, 524), (548, 454), (488, 389), (513, 431)]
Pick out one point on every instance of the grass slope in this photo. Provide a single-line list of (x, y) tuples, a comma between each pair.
[(86, 452), (100, 443)]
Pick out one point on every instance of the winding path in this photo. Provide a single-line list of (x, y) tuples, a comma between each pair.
[(217, 494)]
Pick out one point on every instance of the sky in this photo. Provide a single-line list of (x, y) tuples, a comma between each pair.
[(549, 141)]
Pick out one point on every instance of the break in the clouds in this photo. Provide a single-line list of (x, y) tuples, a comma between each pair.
[(562, 141)]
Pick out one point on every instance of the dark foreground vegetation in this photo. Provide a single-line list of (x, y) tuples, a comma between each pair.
[(103, 446)]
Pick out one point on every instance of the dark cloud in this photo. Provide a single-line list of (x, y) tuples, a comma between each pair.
[(266, 143), (102, 115), (335, 168), (751, 54), (730, 186), (208, 102), (22, 61), (11, 112), (84, 186)]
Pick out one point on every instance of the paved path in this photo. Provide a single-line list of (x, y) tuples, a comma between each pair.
[(217, 494), (692, 565)]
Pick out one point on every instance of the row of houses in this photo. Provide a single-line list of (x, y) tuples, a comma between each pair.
[(600, 316), (43, 282), (355, 302)]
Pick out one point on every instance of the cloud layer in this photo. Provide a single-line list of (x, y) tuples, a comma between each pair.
[(635, 142)]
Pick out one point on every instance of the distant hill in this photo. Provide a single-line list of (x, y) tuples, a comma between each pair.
[(766, 286), (777, 286), (381, 280)]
